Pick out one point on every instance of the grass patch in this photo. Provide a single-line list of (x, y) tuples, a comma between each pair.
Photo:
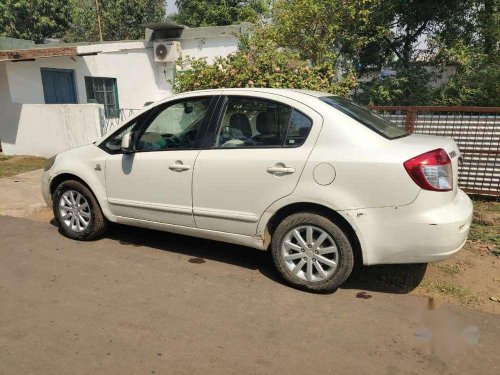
[(462, 294), (449, 269), (486, 222), (12, 165)]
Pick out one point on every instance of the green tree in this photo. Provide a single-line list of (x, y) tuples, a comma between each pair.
[(33, 19), (323, 30), (417, 33), (195, 13), (476, 81), (410, 85), (409, 25), (488, 22), (120, 19)]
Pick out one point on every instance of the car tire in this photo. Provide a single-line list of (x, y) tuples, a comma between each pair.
[(288, 254), (77, 211)]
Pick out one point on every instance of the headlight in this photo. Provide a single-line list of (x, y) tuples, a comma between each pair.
[(49, 163)]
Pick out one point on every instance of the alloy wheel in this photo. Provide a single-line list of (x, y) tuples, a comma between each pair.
[(310, 253), (74, 210)]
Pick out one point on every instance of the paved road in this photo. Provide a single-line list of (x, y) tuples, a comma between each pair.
[(142, 302)]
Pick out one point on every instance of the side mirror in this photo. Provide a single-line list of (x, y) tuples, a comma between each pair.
[(128, 142)]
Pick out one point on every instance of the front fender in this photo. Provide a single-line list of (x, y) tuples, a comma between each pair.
[(87, 164)]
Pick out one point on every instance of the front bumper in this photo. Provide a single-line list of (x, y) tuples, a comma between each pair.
[(46, 178), (416, 233)]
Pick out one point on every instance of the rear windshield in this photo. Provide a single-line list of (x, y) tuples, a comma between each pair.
[(365, 116)]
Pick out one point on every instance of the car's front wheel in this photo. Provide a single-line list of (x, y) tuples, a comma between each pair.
[(311, 252), (77, 211)]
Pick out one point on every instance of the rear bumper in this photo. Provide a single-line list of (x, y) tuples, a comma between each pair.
[(421, 232)]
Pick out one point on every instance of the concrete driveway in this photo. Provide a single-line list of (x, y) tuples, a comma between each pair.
[(145, 302)]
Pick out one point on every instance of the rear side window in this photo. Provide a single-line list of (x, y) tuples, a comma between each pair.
[(298, 129), (366, 117), (257, 123)]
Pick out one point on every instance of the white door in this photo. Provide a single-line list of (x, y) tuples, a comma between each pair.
[(260, 148), (154, 182)]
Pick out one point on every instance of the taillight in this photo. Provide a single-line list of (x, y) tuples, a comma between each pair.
[(431, 171)]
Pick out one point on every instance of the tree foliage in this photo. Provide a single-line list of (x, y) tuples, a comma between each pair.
[(439, 34), (476, 81), (195, 13), (120, 19), (33, 19), (320, 31), (260, 63), (410, 85)]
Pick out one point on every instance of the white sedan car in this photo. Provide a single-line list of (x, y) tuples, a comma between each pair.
[(318, 180)]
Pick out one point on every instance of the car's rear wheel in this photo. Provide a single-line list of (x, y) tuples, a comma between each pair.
[(77, 211), (311, 252)]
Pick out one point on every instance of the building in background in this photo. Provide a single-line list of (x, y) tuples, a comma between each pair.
[(56, 96)]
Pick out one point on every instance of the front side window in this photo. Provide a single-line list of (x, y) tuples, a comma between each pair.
[(174, 126), (114, 143), (366, 117), (103, 91), (252, 122)]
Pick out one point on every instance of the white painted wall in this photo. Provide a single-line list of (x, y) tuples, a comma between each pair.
[(137, 77), (209, 47), (45, 130)]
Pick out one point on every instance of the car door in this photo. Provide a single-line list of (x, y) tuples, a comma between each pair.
[(258, 148), (154, 182)]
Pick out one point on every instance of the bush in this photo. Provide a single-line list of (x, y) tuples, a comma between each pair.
[(260, 62)]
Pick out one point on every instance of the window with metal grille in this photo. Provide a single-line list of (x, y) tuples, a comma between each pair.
[(103, 91)]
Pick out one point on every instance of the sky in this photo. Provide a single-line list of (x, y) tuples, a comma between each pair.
[(171, 8)]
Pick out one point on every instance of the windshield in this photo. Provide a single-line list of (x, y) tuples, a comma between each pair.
[(365, 116)]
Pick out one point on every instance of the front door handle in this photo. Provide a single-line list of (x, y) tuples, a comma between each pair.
[(179, 167), (281, 170)]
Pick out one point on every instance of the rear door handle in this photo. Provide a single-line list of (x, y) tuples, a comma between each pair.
[(179, 167), (281, 170)]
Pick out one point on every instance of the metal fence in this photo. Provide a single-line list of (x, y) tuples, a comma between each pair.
[(476, 130), (110, 118)]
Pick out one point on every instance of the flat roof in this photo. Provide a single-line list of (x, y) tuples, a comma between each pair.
[(27, 51), (164, 26), (67, 49)]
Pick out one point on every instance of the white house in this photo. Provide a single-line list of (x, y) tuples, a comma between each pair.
[(57, 96)]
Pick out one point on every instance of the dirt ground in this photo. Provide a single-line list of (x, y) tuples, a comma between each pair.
[(144, 302)]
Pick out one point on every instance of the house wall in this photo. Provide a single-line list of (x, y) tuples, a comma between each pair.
[(139, 80), (209, 47), (45, 130)]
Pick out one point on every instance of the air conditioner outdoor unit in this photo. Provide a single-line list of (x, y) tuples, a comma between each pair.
[(166, 51)]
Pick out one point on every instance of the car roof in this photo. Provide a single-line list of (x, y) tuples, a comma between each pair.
[(291, 93)]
